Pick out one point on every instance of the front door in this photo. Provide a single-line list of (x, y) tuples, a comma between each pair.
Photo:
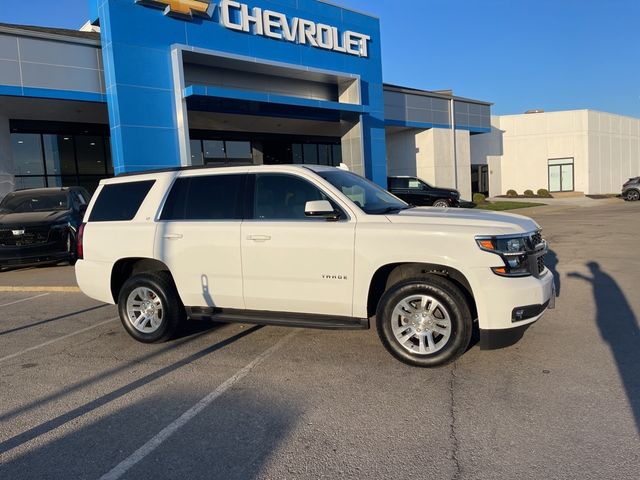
[(292, 263), (561, 175)]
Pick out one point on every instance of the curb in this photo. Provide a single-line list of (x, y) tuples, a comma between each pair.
[(40, 289)]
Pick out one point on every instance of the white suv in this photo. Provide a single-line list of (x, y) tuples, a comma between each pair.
[(311, 247)]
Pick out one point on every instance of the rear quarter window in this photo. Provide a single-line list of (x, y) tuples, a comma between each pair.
[(120, 201)]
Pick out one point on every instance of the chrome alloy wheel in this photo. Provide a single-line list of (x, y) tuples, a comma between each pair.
[(421, 324), (144, 310)]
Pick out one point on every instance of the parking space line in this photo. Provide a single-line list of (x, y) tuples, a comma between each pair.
[(59, 339), (123, 467), (24, 300), (32, 289)]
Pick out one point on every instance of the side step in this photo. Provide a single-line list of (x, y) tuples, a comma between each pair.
[(322, 322)]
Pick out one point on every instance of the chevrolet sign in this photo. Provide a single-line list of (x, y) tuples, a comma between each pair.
[(267, 23)]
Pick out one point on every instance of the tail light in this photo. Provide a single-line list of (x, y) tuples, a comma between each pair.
[(79, 245)]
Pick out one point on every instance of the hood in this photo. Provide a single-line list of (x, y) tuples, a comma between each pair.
[(444, 191), (486, 223), (32, 218)]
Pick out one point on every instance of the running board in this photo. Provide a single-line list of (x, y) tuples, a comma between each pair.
[(280, 319)]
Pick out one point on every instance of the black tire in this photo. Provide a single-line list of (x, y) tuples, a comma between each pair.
[(72, 249), (632, 195), (441, 203), (173, 314), (445, 292)]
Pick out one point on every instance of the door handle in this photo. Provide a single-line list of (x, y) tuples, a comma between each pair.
[(173, 236), (259, 238)]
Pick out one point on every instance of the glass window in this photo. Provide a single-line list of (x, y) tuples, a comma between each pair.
[(42, 201), (196, 152), (324, 154), (107, 154), (415, 184), (213, 197), (310, 153), (213, 151), (296, 150), (283, 197), (29, 182), (398, 182), (337, 155), (238, 151), (27, 154), (59, 154), (90, 153), (120, 201), (365, 194)]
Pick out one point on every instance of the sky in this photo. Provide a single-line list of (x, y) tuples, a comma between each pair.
[(518, 54)]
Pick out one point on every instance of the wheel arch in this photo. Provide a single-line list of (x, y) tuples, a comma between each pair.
[(126, 267), (388, 275)]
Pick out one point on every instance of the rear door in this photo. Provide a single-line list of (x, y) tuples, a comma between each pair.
[(198, 238), (292, 263)]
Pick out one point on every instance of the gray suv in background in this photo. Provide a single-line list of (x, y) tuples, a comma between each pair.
[(631, 189)]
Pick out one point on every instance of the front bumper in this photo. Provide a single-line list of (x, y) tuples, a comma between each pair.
[(34, 254), (522, 317)]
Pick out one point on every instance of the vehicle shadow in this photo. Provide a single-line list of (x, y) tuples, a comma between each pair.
[(231, 438), (619, 328)]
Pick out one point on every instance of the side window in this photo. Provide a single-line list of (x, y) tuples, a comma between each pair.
[(283, 197), (120, 201), (212, 197), (398, 183), (415, 184)]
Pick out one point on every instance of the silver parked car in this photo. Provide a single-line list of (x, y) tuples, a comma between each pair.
[(631, 189)]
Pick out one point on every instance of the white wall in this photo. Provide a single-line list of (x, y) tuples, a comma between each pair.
[(614, 151), (428, 154), (605, 148), (530, 141)]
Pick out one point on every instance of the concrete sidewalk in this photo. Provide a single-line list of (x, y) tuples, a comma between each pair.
[(563, 202), (40, 279)]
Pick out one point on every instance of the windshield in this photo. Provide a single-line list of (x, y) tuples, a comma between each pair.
[(24, 202), (365, 194)]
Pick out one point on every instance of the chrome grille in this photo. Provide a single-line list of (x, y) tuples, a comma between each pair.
[(31, 236)]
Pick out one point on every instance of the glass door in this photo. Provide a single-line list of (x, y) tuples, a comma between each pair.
[(561, 175)]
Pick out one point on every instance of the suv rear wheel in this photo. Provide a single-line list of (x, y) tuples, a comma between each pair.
[(424, 322), (150, 308)]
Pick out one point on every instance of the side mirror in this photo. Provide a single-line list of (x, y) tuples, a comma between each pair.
[(320, 209)]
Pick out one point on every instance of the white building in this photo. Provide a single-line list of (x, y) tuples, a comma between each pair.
[(572, 151)]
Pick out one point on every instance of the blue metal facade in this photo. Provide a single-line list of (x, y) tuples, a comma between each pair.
[(141, 86)]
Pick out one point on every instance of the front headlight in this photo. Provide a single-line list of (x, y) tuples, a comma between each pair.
[(512, 250)]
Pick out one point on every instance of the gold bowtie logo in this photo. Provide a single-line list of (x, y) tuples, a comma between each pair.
[(182, 8)]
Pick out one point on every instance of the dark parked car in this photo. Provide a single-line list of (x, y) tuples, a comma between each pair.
[(419, 193), (631, 190), (40, 225)]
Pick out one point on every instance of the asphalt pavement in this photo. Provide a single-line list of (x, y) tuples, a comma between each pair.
[(80, 399)]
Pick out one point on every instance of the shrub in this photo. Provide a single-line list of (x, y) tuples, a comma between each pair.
[(528, 193), (479, 198), (544, 193), (512, 193)]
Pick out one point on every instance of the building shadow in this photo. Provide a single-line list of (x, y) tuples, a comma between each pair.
[(232, 438), (116, 394), (619, 328)]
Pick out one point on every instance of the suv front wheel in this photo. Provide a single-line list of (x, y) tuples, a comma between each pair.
[(424, 322), (150, 308), (633, 195)]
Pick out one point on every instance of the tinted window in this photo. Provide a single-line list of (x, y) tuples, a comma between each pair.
[(283, 197), (120, 201), (398, 183), (25, 202), (214, 197)]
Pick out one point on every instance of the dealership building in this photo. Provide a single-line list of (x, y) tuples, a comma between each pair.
[(151, 84), (577, 151)]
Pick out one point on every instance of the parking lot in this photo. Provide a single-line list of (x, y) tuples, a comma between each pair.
[(80, 399)]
